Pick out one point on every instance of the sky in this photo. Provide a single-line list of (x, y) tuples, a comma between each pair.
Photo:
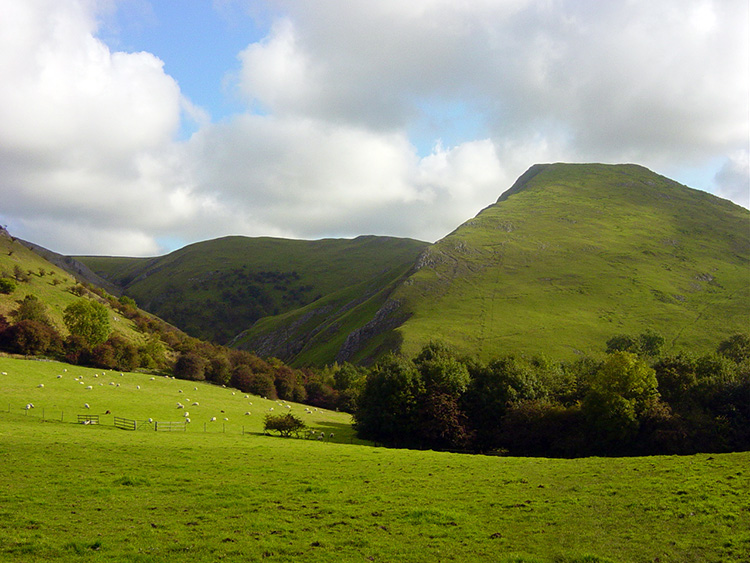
[(136, 127)]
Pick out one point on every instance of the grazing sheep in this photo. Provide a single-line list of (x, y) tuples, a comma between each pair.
[(247, 413), (59, 377), (152, 379), (180, 406), (86, 405), (179, 390), (117, 385), (320, 437), (65, 369), (187, 420), (89, 387), (187, 414), (137, 386), (195, 388), (111, 382), (5, 373), (270, 409), (96, 375), (40, 385), (29, 406), (330, 436), (213, 419), (81, 382), (225, 418), (195, 404), (150, 420)]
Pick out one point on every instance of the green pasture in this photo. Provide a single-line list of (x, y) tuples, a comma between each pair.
[(70, 492)]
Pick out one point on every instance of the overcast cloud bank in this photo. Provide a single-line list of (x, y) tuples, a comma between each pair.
[(393, 118)]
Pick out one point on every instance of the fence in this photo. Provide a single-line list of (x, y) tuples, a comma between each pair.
[(125, 423), (88, 419), (170, 426)]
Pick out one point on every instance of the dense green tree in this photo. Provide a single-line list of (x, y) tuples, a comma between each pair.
[(388, 405), (31, 308), (190, 365), (736, 347), (88, 319)]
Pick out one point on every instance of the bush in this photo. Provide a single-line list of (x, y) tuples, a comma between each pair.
[(7, 285), (284, 424), (31, 338), (190, 366)]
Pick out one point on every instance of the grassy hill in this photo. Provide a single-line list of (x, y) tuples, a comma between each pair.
[(70, 492), (50, 284), (218, 288), (572, 255)]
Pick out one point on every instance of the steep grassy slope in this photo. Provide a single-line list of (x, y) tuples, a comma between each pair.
[(50, 284), (572, 255), (218, 288)]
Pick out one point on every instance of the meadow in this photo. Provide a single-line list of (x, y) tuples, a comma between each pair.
[(224, 491)]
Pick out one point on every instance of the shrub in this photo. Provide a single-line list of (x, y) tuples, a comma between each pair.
[(7, 285), (31, 338), (190, 366), (284, 424)]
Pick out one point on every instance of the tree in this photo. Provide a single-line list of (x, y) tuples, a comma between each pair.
[(32, 309), (31, 338), (284, 424), (736, 347), (388, 407), (88, 319), (190, 365)]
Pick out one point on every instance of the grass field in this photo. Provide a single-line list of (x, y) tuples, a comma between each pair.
[(70, 492)]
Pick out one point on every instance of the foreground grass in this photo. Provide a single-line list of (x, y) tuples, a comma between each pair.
[(95, 493)]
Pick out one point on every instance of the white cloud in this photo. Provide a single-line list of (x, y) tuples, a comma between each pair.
[(91, 161)]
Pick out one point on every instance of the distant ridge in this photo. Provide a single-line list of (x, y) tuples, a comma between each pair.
[(568, 256)]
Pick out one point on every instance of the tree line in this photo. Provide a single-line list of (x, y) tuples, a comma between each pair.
[(633, 401)]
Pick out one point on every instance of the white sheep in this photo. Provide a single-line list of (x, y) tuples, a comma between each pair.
[(40, 385), (270, 409), (81, 383), (195, 388), (152, 379), (247, 413), (187, 414), (180, 406), (59, 377), (89, 387), (225, 418), (5, 373), (213, 419), (150, 420), (86, 405), (179, 390), (29, 406), (137, 386), (195, 404), (187, 420)]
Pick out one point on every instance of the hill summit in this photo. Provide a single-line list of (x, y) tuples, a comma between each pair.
[(569, 256)]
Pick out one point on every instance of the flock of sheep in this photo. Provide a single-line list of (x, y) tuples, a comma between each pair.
[(181, 405)]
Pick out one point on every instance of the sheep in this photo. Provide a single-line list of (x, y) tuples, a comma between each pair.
[(270, 409), (81, 383), (195, 404), (195, 388), (137, 386), (330, 436), (5, 373), (96, 375), (187, 420), (213, 419), (150, 420), (86, 405), (40, 385), (117, 385), (233, 393), (187, 414), (65, 370), (225, 418), (89, 387), (247, 413), (59, 377), (111, 382), (28, 406), (179, 390), (152, 379), (180, 406)]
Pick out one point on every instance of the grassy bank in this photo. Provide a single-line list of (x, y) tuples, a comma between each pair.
[(70, 492)]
